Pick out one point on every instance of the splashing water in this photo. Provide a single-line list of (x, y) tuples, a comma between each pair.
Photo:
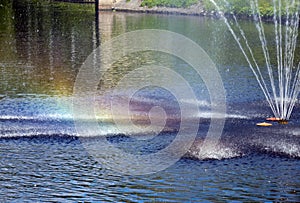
[(281, 96)]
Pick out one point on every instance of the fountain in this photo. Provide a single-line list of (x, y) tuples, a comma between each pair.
[(281, 95)]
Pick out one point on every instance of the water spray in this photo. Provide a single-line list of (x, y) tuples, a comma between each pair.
[(281, 98)]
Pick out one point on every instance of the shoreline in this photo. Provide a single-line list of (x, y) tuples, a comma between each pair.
[(133, 6), (185, 12)]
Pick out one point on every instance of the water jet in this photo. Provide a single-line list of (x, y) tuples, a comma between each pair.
[(281, 84)]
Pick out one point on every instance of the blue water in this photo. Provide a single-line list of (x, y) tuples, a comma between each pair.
[(42, 158)]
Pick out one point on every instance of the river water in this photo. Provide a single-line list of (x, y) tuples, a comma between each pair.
[(42, 157)]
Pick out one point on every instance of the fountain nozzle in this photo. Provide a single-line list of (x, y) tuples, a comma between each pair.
[(279, 120), (283, 121)]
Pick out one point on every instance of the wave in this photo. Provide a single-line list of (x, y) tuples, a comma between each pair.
[(200, 103), (43, 117), (232, 145), (32, 117), (296, 132), (290, 149), (247, 140), (218, 152), (287, 146), (218, 115)]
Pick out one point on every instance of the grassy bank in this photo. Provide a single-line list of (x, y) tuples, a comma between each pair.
[(242, 7), (237, 7), (169, 3)]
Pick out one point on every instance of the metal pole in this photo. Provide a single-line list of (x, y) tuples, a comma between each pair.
[(97, 22), (96, 6)]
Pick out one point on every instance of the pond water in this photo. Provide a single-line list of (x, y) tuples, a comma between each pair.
[(42, 158)]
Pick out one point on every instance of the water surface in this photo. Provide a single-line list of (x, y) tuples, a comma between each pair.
[(42, 49)]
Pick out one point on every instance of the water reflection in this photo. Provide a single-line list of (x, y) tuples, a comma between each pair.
[(44, 45), (43, 48)]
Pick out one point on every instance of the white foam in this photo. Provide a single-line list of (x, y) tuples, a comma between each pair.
[(291, 149), (219, 115), (37, 117), (200, 103), (214, 152), (15, 117), (296, 132)]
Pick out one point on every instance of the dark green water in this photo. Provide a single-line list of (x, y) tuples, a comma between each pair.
[(42, 48)]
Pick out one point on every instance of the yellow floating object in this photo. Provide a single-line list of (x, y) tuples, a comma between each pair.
[(264, 124)]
